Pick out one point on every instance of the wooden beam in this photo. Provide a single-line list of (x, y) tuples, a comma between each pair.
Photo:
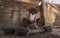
[(42, 13)]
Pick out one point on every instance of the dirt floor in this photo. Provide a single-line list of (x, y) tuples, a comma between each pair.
[(39, 35), (54, 34), (31, 36)]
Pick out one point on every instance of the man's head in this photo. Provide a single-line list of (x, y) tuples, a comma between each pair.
[(33, 10)]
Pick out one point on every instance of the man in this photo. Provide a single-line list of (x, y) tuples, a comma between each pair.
[(32, 18)]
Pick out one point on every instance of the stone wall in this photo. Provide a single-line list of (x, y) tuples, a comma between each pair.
[(11, 13)]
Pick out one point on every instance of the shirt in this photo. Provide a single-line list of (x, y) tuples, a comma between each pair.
[(32, 17)]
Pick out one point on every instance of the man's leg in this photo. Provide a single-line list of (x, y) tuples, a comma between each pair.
[(36, 26), (25, 22)]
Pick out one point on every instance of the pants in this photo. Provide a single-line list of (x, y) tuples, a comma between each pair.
[(28, 22)]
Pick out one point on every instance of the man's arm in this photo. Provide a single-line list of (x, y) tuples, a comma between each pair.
[(35, 18), (35, 21), (29, 16)]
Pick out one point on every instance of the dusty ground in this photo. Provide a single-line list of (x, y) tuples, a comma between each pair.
[(31, 36), (39, 35), (54, 34)]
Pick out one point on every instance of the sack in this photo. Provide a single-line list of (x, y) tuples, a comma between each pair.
[(21, 31)]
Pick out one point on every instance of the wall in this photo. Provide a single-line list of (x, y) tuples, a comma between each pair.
[(30, 1), (50, 15), (11, 13)]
